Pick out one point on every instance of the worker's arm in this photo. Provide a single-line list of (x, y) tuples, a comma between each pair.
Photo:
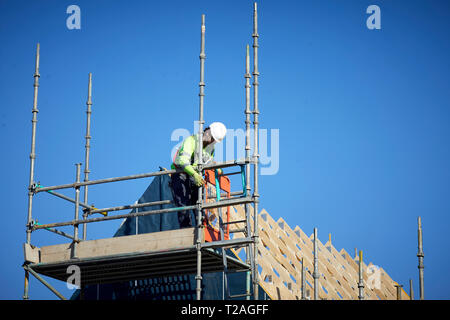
[(184, 156), (183, 160)]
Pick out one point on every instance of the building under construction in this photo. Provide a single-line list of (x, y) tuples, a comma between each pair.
[(234, 251)]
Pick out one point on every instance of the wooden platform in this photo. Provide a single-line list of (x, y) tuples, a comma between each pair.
[(128, 258)]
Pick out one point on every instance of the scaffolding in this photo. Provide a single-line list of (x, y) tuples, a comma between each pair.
[(159, 253)]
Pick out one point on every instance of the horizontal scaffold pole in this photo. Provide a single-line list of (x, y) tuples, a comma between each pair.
[(107, 180), (226, 164), (141, 176), (132, 206), (227, 202), (120, 216), (228, 243), (223, 203)]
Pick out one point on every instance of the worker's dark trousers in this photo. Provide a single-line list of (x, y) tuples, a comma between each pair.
[(185, 193)]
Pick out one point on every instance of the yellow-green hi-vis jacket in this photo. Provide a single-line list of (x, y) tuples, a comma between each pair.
[(186, 156)]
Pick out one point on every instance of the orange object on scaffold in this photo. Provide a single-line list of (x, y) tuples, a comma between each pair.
[(212, 233)]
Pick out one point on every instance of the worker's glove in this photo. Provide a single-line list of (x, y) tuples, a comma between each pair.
[(219, 172), (198, 179)]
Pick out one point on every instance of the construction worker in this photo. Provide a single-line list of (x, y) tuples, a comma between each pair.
[(185, 184)]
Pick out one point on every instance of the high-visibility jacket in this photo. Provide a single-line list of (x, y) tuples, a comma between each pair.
[(186, 156)]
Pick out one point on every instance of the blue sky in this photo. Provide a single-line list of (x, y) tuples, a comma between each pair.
[(363, 115)]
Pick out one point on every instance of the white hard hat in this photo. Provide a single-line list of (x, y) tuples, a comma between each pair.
[(218, 131)]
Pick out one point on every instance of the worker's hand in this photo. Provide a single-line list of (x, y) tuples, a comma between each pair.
[(198, 179)]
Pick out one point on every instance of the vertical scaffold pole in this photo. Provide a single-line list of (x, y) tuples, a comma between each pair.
[(33, 143), (32, 160), (77, 210), (399, 291), (255, 147), (316, 267), (361, 279), (200, 159), (303, 280), (247, 156), (87, 149), (411, 290), (420, 255)]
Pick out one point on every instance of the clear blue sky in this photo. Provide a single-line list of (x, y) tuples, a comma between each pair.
[(363, 115)]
